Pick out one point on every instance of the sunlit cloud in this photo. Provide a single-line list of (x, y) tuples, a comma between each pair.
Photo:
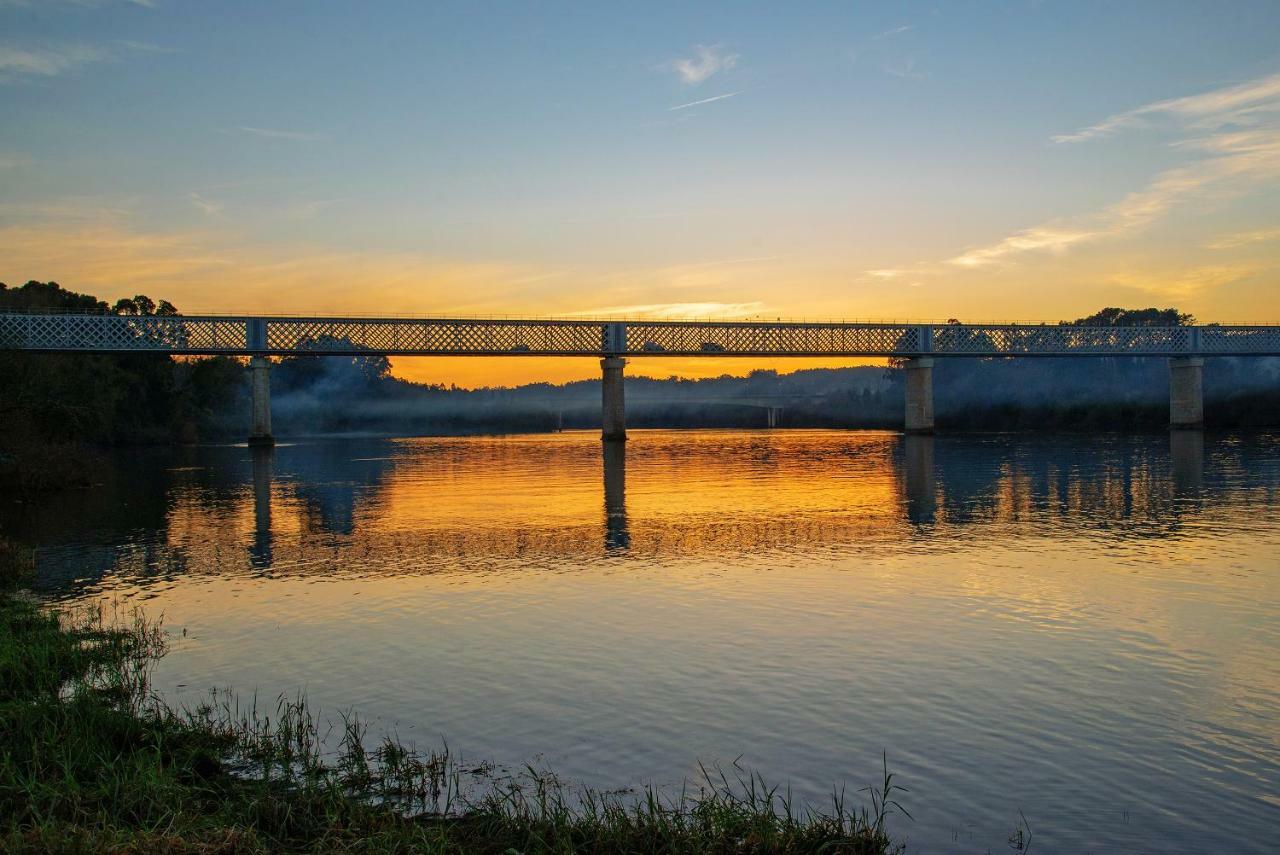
[(1244, 239), (703, 101), (278, 134), (1225, 162), (1039, 238), (1210, 109), (707, 61), (1187, 283)]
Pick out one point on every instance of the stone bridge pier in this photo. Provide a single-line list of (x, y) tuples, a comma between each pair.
[(919, 414), (1186, 393), (260, 391), (613, 399)]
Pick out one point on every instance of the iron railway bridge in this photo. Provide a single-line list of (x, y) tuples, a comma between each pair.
[(614, 342)]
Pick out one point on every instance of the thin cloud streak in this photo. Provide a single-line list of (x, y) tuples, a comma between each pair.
[(277, 134), (703, 101), (896, 31)]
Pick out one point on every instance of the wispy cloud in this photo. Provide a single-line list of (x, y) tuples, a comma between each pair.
[(702, 101), (1223, 159), (904, 67), (1233, 104), (277, 134), (209, 206), (707, 60), (57, 59), (148, 47), (49, 61), (1244, 239)]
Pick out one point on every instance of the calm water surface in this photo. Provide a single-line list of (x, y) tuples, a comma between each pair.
[(1083, 629)]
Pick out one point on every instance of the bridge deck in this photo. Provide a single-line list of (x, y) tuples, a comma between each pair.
[(244, 335)]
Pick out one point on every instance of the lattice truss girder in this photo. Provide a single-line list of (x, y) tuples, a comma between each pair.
[(1046, 340), (756, 338), (107, 333), (123, 333), (462, 337)]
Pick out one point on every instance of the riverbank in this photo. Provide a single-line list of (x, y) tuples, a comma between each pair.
[(96, 762)]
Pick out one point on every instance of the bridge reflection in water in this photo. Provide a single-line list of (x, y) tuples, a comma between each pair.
[(486, 504), (628, 608)]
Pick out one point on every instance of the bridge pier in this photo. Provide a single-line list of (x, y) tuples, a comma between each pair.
[(919, 415), (614, 421), (260, 390), (1186, 393)]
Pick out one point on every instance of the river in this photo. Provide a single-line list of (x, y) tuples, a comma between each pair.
[(1084, 631)]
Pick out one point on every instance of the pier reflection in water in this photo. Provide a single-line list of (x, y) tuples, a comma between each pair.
[(616, 536), (921, 486), (1013, 619)]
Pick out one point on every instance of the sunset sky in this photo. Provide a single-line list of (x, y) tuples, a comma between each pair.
[(1026, 160)]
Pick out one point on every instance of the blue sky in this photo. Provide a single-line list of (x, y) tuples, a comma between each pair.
[(857, 160)]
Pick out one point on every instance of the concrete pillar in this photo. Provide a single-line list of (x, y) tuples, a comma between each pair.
[(616, 535), (919, 415), (1186, 392), (260, 384), (614, 423)]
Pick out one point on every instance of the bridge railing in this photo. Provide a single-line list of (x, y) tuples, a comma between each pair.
[(395, 336)]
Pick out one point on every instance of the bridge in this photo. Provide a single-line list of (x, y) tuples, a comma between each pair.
[(615, 341)]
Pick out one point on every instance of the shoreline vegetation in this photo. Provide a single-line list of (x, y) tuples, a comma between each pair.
[(95, 761)]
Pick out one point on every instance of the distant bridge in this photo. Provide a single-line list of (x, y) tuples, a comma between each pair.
[(614, 341)]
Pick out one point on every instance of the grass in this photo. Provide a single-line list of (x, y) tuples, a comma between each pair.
[(92, 761)]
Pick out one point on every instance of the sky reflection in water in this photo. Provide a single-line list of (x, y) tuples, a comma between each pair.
[(1083, 628)]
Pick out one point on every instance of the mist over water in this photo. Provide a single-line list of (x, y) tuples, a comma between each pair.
[(1078, 628)]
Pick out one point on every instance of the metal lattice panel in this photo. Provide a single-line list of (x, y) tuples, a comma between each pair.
[(112, 333), (1058, 340), (1240, 340), (763, 339), (244, 335), (295, 335)]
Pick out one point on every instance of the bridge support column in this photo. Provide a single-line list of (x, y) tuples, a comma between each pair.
[(919, 415), (260, 386), (614, 423), (1186, 392)]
